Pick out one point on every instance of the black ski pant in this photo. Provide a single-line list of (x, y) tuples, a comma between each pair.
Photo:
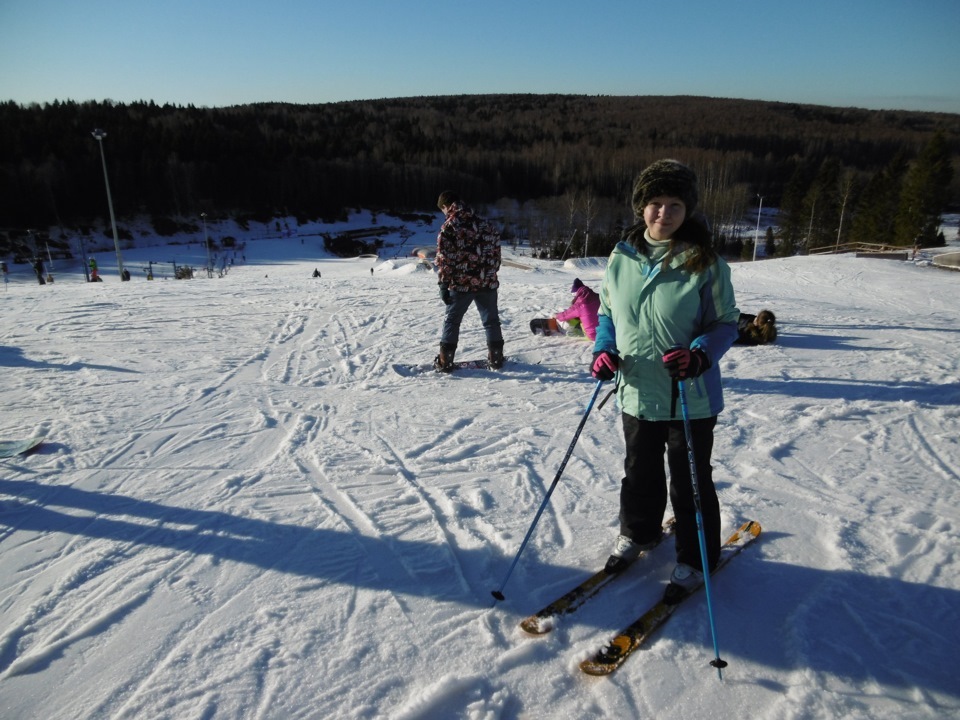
[(643, 492)]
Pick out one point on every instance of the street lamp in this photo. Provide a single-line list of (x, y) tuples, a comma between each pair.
[(206, 242), (756, 237), (100, 135)]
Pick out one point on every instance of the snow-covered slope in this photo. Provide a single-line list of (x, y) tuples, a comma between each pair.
[(242, 511)]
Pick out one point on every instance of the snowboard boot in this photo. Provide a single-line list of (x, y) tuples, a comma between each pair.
[(444, 361), (495, 355)]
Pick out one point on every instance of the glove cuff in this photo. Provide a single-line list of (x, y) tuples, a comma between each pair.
[(702, 357)]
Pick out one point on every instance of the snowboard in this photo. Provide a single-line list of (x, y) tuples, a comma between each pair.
[(545, 326), (550, 326), (411, 370), (9, 448)]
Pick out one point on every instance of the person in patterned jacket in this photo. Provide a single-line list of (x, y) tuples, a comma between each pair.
[(468, 258)]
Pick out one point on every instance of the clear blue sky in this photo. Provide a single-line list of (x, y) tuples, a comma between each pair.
[(896, 54)]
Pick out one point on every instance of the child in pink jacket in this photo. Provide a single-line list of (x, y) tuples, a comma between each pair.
[(585, 307)]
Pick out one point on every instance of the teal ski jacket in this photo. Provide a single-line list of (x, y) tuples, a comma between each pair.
[(645, 309)]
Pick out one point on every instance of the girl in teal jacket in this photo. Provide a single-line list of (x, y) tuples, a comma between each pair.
[(667, 315)]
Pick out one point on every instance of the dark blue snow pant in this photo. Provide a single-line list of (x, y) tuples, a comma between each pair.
[(486, 301)]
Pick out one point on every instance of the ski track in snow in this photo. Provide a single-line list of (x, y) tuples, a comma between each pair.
[(242, 511)]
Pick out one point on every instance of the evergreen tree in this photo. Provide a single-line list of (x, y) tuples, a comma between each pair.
[(878, 203), (823, 205), (786, 248), (770, 245), (793, 209), (925, 191)]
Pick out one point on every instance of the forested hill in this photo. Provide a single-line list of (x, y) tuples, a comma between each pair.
[(317, 160)]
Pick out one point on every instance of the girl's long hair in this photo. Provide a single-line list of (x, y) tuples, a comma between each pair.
[(764, 329), (694, 234)]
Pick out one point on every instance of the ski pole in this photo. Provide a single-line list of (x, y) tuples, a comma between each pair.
[(716, 662), (498, 594)]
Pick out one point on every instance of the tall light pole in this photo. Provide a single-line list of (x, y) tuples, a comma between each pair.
[(100, 135), (756, 237), (83, 256), (206, 242)]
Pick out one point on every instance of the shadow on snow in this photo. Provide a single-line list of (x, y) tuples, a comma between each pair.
[(929, 394), (837, 622), (14, 357)]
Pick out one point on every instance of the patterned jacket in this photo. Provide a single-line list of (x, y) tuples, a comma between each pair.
[(468, 251)]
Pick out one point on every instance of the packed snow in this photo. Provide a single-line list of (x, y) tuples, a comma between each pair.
[(241, 510)]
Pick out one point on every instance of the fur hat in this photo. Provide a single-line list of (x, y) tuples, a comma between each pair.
[(576, 285), (665, 177)]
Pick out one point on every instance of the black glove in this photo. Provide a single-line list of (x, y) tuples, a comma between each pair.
[(445, 294), (683, 364), (604, 365)]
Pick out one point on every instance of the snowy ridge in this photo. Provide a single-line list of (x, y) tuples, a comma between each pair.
[(241, 510)]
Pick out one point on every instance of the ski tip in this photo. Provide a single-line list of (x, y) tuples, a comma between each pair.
[(597, 667), (535, 625), (497, 595), (748, 531)]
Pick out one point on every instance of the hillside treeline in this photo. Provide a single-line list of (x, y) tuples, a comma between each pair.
[(560, 166)]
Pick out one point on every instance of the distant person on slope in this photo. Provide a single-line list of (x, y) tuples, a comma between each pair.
[(38, 269), (467, 261), (667, 315), (759, 329)]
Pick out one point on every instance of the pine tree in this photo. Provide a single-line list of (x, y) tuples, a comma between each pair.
[(823, 201), (793, 210), (770, 245), (785, 248), (924, 194), (878, 203)]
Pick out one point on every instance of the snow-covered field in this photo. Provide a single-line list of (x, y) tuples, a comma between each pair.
[(242, 511)]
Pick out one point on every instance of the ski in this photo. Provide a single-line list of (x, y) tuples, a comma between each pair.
[(542, 621), (411, 370), (612, 655)]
